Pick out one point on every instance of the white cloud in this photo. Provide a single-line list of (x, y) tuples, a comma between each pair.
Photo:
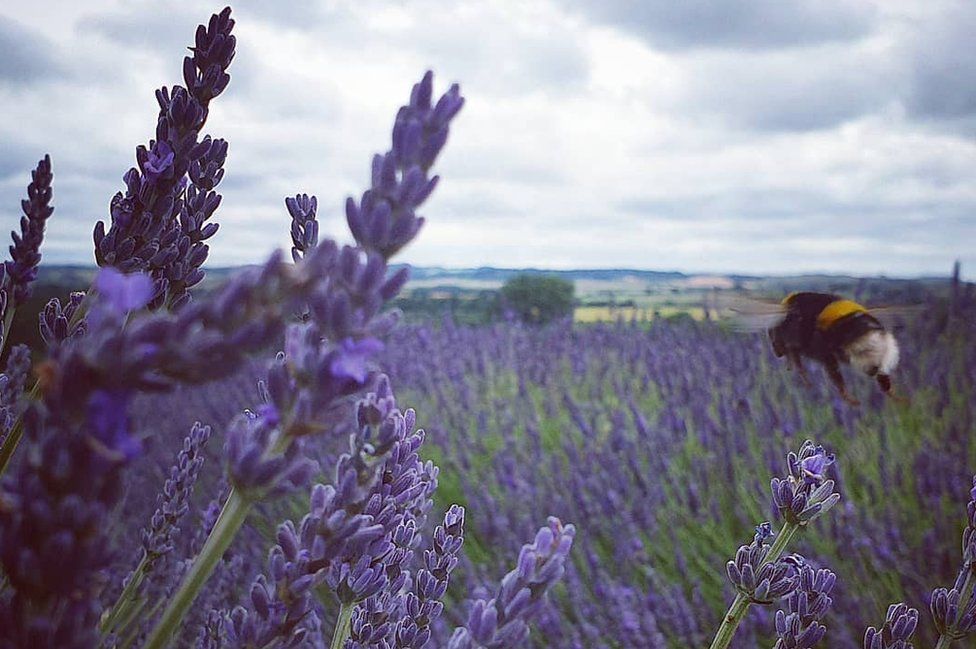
[(843, 143)]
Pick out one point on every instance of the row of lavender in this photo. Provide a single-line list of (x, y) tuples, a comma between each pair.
[(660, 443)]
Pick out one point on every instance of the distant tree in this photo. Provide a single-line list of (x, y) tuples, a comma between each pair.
[(538, 299)]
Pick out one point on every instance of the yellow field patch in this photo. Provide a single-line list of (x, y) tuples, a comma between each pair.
[(627, 313)]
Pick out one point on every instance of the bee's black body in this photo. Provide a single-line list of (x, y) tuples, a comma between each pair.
[(828, 329)]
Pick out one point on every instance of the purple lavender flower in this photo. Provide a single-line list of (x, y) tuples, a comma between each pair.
[(54, 513), (384, 220), (185, 239), (123, 293), (954, 610), (337, 542), (351, 356), (57, 324), (304, 227), (900, 624), (798, 627), (174, 501), (25, 253), (954, 619), (281, 603), (806, 493), (253, 468), (760, 581), (157, 539), (422, 607), (502, 622), (158, 160), (154, 228)]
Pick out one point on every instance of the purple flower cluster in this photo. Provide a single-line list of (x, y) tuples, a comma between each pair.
[(900, 624), (385, 218), (173, 502), (799, 627), (501, 622), (760, 580), (159, 225), (59, 323), (304, 227), (357, 539), (25, 253), (806, 493)]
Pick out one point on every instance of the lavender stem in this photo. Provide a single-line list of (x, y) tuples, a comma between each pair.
[(967, 588), (110, 621), (737, 611), (231, 518), (343, 626), (12, 440), (8, 320)]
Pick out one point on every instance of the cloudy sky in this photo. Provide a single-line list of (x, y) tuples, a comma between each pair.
[(764, 136)]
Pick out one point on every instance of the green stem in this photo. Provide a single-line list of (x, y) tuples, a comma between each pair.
[(231, 518), (126, 599), (343, 626), (737, 611), (10, 443), (964, 596), (8, 320)]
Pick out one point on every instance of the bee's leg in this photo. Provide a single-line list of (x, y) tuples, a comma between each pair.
[(795, 362), (884, 382), (833, 371)]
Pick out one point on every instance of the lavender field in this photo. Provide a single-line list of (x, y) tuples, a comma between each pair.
[(280, 460), (658, 441)]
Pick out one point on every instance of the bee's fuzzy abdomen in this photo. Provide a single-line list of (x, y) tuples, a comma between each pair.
[(875, 352)]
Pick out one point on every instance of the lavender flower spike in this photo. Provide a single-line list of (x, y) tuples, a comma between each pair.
[(157, 540), (304, 227), (806, 493), (156, 226), (423, 606), (900, 624), (799, 627), (25, 251), (954, 610), (385, 218), (761, 581), (502, 622)]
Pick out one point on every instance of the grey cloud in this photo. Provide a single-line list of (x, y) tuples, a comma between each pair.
[(26, 55), (787, 215), (799, 90), (504, 62), (758, 24), (160, 28), (943, 68)]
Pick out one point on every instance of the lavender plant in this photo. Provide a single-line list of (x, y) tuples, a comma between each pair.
[(954, 610), (758, 573)]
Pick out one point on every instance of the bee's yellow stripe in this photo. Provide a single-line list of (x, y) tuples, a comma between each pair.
[(789, 298), (837, 310)]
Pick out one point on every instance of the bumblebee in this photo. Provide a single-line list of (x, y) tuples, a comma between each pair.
[(832, 331)]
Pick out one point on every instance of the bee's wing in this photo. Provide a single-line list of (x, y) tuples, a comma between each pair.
[(751, 314), (896, 315)]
